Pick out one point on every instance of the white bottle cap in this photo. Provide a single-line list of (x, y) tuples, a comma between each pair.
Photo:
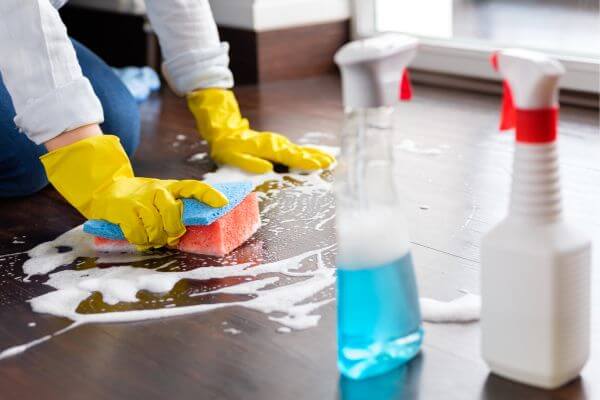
[(373, 68), (532, 77)]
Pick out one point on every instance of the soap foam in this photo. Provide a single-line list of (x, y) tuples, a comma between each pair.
[(306, 181), (466, 308), (15, 350), (410, 146), (371, 238), (291, 298), (48, 256), (122, 284), (197, 157)]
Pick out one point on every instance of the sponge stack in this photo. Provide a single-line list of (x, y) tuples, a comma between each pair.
[(210, 231)]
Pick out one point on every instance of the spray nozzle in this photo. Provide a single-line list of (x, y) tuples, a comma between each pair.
[(374, 70), (507, 111), (530, 93)]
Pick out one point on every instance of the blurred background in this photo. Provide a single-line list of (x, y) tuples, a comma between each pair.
[(286, 39)]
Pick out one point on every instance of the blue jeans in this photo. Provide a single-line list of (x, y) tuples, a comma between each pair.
[(21, 172)]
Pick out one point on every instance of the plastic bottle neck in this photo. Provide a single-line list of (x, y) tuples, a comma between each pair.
[(365, 171), (536, 193)]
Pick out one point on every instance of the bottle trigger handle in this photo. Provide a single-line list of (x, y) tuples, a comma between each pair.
[(405, 89), (507, 112)]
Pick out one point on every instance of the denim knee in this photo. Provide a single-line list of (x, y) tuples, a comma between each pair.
[(122, 119), (121, 113), (22, 174)]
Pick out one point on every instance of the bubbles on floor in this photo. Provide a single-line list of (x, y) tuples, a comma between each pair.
[(410, 146), (466, 308), (321, 137), (197, 157), (284, 271)]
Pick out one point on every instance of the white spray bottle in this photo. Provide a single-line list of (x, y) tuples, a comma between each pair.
[(535, 266)]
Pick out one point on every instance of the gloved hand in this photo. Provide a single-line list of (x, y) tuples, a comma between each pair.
[(232, 141), (96, 177)]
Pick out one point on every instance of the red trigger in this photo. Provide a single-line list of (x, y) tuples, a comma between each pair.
[(405, 87), (494, 60), (507, 113)]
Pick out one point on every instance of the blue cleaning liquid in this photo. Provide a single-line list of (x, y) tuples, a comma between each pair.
[(379, 320)]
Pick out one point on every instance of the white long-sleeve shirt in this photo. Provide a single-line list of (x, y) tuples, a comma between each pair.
[(40, 69)]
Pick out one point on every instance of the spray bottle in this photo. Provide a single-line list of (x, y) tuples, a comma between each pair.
[(379, 321), (535, 266)]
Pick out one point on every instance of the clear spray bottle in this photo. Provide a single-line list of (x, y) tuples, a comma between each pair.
[(379, 321)]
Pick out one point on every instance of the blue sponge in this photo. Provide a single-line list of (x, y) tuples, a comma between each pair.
[(194, 212)]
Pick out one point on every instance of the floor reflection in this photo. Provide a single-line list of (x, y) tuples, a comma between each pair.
[(289, 217), (497, 388), (399, 384)]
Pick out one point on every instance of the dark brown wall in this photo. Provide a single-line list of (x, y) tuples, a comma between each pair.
[(300, 52), (118, 39), (255, 56)]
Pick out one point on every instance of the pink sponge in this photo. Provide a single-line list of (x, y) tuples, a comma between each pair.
[(217, 239)]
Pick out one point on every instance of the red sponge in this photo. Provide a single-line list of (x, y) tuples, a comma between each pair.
[(217, 239)]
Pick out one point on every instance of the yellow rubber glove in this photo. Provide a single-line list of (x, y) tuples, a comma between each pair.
[(232, 141), (96, 177)]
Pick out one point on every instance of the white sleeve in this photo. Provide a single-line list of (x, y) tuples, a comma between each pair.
[(194, 58), (41, 72)]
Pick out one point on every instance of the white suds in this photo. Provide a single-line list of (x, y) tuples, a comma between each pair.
[(310, 137), (333, 150), (18, 241), (180, 137), (122, 284), (292, 205), (31, 324), (410, 147), (197, 157), (13, 351), (466, 308), (46, 257), (282, 289), (69, 246), (307, 181)]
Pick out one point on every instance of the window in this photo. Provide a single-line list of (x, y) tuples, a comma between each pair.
[(458, 35)]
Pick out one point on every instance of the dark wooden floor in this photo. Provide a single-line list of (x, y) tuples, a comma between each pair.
[(465, 189)]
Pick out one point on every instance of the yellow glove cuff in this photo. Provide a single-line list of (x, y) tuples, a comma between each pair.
[(217, 113), (80, 169)]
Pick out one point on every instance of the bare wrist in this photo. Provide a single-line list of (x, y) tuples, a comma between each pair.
[(69, 137)]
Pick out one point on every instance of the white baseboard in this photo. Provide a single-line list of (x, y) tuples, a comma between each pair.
[(234, 13), (264, 15), (256, 15), (133, 7)]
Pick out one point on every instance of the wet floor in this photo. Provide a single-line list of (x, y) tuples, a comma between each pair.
[(293, 210)]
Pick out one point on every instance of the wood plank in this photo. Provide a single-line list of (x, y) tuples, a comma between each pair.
[(465, 188)]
